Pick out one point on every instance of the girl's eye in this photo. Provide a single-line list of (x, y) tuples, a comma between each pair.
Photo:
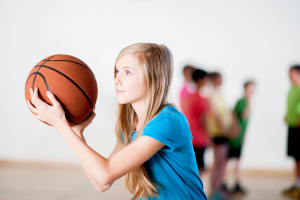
[(128, 72), (117, 71)]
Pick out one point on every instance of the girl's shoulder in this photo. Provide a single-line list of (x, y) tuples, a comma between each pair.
[(169, 127), (170, 116), (170, 112)]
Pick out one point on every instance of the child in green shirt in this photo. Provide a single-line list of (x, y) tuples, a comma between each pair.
[(241, 114), (292, 119)]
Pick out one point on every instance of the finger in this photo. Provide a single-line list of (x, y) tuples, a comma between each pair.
[(52, 98), (33, 109), (36, 116), (92, 116), (40, 118), (37, 100), (88, 120), (31, 95)]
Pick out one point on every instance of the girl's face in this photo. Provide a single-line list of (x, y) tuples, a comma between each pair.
[(129, 80)]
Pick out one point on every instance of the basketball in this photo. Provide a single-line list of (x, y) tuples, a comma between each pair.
[(71, 81)]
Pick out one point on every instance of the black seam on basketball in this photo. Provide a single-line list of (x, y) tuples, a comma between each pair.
[(68, 118), (35, 76), (34, 73), (28, 79), (39, 69), (72, 82), (75, 63), (38, 73), (53, 57)]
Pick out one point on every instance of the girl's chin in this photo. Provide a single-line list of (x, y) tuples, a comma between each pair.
[(127, 100), (123, 101)]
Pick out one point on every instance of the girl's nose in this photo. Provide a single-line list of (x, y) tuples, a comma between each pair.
[(117, 80)]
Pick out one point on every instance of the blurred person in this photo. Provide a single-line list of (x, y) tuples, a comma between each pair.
[(240, 119), (219, 122), (188, 87), (195, 112), (154, 150), (292, 119)]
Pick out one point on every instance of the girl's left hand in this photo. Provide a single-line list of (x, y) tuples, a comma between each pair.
[(52, 115), (79, 128)]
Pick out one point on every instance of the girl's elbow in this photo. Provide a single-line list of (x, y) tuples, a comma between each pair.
[(103, 188), (105, 181)]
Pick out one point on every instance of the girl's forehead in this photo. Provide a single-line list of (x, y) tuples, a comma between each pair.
[(128, 60)]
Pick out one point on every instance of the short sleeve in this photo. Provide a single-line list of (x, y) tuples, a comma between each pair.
[(239, 108), (167, 129)]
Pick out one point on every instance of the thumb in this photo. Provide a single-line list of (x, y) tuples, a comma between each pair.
[(89, 120), (91, 117), (52, 98)]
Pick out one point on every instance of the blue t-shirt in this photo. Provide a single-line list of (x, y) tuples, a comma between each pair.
[(174, 167)]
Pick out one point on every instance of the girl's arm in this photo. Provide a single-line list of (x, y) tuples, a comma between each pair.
[(116, 150), (96, 184), (104, 171)]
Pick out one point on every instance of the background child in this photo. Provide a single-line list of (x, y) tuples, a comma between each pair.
[(241, 112), (188, 87), (154, 150), (292, 119), (195, 112), (219, 125)]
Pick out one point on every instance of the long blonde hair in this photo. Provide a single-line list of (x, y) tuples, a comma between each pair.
[(156, 63)]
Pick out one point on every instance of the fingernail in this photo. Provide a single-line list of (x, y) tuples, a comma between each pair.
[(49, 92)]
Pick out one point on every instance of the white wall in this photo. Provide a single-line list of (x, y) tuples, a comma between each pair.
[(257, 39)]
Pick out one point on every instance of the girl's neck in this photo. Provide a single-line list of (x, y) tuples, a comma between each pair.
[(138, 107)]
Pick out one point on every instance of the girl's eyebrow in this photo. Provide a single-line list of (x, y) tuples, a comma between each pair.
[(125, 67)]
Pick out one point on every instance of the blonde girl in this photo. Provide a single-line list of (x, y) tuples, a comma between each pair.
[(154, 149)]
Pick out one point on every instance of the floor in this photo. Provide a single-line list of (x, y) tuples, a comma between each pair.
[(70, 183)]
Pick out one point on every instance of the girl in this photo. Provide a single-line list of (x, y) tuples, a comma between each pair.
[(154, 144)]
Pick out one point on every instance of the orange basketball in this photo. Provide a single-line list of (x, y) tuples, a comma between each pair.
[(70, 80)]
